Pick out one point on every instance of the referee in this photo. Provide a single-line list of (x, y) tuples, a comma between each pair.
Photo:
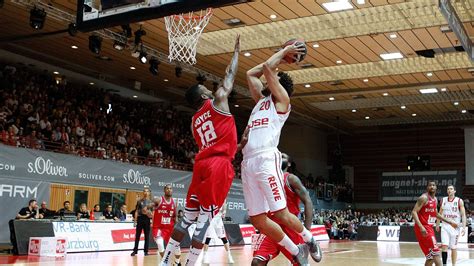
[(143, 214)]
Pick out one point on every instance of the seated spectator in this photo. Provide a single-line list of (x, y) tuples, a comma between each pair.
[(83, 213), (108, 214), (97, 208), (29, 212), (45, 211), (121, 215), (66, 210)]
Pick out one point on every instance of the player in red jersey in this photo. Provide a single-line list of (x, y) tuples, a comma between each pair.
[(425, 214), (267, 249), (164, 218), (214, 131)]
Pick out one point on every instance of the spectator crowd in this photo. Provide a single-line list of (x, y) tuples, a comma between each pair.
[(39, 112)]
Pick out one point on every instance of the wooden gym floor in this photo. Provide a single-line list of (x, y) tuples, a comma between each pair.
[(347, 253)]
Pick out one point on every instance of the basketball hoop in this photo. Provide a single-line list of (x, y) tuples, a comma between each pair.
[(184, 31)]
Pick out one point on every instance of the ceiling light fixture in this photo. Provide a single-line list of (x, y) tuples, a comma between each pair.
[(429, 74), (361, 2), (354, 110), (413, 115), (443, 89), (56, 73), (138, 35), (339, 62), (247, 54), (464, 111), (273, 16), (385, 94), (403, 107), (315, 45), (391, 56), (165, 80), (135, 96), (365, 80), (331, 98), (132, 68), (337, 5), (37, 18), (95, 44), (154, 66), (74, 47), (367, 117), (430, 90), (456, 103), (91, 83), (307, 85), (237, 106)]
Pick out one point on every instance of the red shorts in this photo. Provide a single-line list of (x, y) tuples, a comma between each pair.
[(427, 243), (164, 232), (266, 249), (212, 178)]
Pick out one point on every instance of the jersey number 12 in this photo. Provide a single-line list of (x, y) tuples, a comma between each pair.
[(207, 133)]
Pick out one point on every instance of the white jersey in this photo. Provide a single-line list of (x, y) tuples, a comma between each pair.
[(265, 125), (452, 209)]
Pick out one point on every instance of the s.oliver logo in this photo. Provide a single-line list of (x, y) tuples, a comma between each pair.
[(42, 166), (135, 177)]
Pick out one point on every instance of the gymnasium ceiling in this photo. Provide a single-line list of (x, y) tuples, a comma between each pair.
[(343, 61)]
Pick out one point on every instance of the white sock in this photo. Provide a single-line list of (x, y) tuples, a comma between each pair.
[(193, 255), (289, 245), (306, 234), (169, 251)]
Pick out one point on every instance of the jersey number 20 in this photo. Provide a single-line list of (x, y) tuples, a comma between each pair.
[(207, 133)]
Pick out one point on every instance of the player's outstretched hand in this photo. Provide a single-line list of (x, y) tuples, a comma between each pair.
[(296, 48)]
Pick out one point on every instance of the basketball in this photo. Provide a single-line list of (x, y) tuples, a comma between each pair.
[(290, 58)]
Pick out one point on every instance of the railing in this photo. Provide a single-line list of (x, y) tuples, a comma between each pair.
[(85, 151)]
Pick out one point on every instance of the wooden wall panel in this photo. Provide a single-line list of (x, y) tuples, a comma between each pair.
[(386, 150), (63, 192)]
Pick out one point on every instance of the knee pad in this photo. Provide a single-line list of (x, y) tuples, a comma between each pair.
[(224, 240), (190, 217), (203, 222), (160, 243), (208, 240)]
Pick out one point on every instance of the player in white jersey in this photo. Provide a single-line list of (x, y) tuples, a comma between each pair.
[(216, 230), (452, 207), (262, 177)]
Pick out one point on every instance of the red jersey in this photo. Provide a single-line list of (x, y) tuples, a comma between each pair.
[(214, 132), (427, 213), (292, 199), (165, 214)]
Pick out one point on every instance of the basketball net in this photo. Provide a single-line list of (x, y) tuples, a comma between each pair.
[(184, 31)]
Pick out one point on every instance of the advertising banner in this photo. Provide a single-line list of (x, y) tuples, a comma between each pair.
[(96, 236), (15, 193), (28, 164), (408, 186), (388, 233)]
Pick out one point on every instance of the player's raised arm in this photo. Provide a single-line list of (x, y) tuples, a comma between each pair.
[(278, 92), (222, 94), (419, 204), (303, 194)]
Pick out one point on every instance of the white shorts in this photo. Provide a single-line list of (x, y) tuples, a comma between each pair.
[(262, 180), (449, 236), (216, 228)]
